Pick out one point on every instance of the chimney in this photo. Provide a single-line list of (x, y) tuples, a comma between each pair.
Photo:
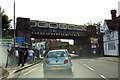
[(113, 14)]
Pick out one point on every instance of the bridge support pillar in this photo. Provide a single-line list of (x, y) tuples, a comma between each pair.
[(23, 29), (82, 47)]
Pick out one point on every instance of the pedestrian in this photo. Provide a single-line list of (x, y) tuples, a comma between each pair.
[(25, 56), (16, 55), (44, 53), (11, 52), (35, 54), (41, 52), (21, 58), (30, 54)]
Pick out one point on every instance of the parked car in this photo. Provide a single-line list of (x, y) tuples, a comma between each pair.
[(57, 61)]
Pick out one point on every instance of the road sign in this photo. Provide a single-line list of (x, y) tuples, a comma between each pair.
[(20, 39), (94, 40), (94, 50)]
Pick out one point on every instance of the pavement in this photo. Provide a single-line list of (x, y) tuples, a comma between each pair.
[(113, 59), (6, 72), (107, 58)]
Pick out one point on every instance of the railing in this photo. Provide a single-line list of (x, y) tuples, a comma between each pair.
[(6, 41), (45, 24)]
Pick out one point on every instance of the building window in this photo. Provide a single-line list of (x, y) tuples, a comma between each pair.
[(111, 46), (105, 46)]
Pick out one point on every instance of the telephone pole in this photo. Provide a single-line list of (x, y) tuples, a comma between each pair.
[(14, 24)]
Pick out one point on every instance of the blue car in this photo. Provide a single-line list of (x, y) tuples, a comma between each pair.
[(57, 61)]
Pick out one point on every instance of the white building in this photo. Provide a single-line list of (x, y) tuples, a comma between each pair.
[(119, 8), (110, 37), (111, 42)]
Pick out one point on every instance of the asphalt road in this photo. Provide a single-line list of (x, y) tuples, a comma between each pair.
[(82, 68)]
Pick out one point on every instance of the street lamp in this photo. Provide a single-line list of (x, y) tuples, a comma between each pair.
[(14, 25), (0, 26)]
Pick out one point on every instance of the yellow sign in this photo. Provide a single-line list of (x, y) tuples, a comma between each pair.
[(91, 40)]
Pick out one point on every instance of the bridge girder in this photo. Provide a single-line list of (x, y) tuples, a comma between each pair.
[(37, 32)]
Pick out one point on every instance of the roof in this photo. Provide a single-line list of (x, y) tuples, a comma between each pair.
[(113, 23)]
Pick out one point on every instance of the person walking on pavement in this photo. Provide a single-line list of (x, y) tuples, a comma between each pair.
[(16, 55), (21, 58), (44, 53), (35, 54), (30, 54), (25, 55)]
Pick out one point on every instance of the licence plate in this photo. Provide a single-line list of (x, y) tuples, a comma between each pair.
[(57, 67)]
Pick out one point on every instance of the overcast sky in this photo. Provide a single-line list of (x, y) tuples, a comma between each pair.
[(62, 11)]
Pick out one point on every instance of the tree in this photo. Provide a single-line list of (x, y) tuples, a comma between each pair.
[(1, 12), (97, 25), (5, 25)]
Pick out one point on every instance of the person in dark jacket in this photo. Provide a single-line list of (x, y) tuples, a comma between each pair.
[(21, 58), (25, 55)]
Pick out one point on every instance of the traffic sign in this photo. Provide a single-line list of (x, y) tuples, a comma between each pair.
[(19, 39), (94, 50)]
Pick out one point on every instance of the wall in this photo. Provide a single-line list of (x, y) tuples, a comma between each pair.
[(3, 55), (109, 40), (4, 58), (82, 47)]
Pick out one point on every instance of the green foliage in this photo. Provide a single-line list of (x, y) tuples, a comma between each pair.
[(5, 25), (97, 25)]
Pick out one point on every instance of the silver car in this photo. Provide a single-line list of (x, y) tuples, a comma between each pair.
[(57, 60)]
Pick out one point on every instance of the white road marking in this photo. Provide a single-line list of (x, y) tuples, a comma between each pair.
[(85, 65), (30, 71), (88, 67), (104, 77)]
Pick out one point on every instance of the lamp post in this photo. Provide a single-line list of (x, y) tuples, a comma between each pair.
[(119, 35), (0, 26), (14, 24)]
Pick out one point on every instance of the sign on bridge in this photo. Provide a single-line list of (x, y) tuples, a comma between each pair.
[(20, 39)]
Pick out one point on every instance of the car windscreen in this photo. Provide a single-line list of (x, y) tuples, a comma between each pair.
[(56, 54)]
